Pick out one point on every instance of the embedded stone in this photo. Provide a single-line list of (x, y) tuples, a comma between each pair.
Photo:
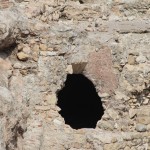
[(141, 59), (36, 48), (52, 99), (26, 50), (131, 60), (132, 113), (69, 69), (144, 120), (22, 56), (103, 95), (43, 47), (106, 125), (112, 113), (141, 127)]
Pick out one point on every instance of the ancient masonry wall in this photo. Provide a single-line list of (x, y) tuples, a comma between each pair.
[(42, 41)]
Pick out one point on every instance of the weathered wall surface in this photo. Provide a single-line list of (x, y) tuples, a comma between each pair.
[(42, 41)]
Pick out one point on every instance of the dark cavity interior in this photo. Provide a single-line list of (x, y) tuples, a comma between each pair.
[(81, 107)]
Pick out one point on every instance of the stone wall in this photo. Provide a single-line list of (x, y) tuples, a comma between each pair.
[(43, 41)]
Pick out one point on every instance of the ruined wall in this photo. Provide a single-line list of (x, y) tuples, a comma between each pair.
[(42, 41)]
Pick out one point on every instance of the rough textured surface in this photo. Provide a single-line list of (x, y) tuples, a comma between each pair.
[(42, 41)]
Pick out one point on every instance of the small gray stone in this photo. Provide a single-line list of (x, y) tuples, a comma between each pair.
[(141, 127), (106, 125), (57, 122), (141, 59), (103, 95)]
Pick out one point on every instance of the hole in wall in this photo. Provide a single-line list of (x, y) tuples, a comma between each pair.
[(81, 107)]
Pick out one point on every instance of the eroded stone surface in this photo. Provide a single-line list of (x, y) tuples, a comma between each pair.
[(107, 41)]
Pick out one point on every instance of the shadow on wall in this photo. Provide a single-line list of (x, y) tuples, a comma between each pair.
[(6, 52), (81, 107)]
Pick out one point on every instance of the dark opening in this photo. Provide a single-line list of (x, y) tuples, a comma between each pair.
[(81, 2), (81, 107)]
